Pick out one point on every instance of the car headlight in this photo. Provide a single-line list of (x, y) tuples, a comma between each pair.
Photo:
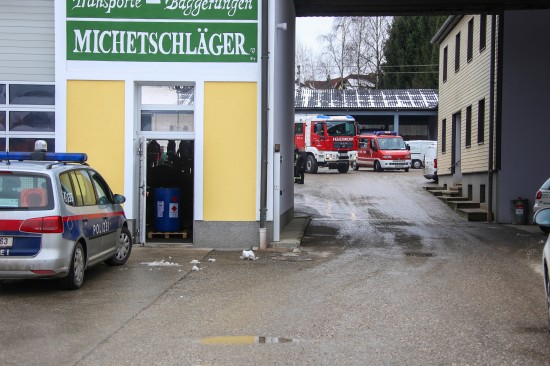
[(386, 156)]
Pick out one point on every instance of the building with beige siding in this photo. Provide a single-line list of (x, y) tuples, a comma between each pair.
[(489, 143), (464, 85)]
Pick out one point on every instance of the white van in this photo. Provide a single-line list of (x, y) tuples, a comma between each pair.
[(430, 164), (418, 151)]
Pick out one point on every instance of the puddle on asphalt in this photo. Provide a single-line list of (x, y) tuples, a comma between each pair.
[(242, 340)]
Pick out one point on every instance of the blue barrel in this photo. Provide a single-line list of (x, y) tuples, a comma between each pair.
[(167, 209)]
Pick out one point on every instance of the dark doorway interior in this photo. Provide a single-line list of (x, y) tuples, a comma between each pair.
[(169, 204)]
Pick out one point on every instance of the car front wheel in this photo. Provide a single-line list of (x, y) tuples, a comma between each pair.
[(123, 249), (354, 166)]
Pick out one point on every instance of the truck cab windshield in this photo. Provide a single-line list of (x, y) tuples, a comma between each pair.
[(391, 143), (341, 128)]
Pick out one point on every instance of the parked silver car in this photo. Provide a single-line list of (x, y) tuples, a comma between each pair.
[(58, 217), (542, 218), (542, 200)]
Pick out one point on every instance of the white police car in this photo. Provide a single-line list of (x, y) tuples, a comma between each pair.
[(58, 217)]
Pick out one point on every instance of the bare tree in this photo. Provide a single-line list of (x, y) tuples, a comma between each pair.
[(378, 33), (358, 45), (354, 46), (305, 64), (310, 66), (336, 49)]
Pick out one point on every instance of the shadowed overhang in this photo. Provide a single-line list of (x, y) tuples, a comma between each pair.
[(410, 7)]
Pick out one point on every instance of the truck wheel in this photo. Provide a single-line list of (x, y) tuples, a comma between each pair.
[(377, 167), (417, 164), (311, 165), (343, 168), (354, 166)]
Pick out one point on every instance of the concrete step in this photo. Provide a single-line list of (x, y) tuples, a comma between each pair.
[(448, 200), (457, 205), (473, 214), (452, 196), (292, 234), (432, 188), (451, 193), (440, 191)]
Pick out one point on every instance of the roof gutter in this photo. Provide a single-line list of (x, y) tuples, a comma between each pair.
[(447, 26), (494, 121)]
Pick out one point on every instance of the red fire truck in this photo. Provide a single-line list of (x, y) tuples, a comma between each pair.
[(329, 141)]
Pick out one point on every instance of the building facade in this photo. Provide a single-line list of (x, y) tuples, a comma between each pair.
[(464, 87), (159, 95), (492, 107)]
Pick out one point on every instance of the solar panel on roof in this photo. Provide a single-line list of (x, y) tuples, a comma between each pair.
[(366, 98)]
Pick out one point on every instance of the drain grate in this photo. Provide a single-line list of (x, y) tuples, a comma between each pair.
[(418, 254)]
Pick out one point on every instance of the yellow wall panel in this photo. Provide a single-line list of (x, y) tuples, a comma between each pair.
[(95, 125), (230, 151)]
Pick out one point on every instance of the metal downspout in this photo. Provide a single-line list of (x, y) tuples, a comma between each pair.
[(264, 116), (491, 120)]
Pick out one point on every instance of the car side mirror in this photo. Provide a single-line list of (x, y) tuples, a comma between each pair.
[(119, 198), (374, 148), (408, 147), (542, 217)]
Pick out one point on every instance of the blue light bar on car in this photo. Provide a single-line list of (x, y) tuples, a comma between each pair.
[(389, 133), (48, 156)]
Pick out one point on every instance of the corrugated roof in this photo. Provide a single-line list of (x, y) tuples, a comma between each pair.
[(366, 99)]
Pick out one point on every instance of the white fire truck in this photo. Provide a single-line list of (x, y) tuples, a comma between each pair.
[(329, 141)]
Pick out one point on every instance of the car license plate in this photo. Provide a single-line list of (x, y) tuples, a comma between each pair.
[(6, 241)]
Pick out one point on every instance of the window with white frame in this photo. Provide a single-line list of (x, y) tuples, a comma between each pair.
[(27, 114), (167, 108)]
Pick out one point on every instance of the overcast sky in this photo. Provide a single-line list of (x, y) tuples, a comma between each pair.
[(308, 30)]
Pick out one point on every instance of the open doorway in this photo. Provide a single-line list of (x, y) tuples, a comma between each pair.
[(166, 209)]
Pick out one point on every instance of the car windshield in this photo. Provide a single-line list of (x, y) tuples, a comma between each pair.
[(343, 128), (25, 191), (391, 143)]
